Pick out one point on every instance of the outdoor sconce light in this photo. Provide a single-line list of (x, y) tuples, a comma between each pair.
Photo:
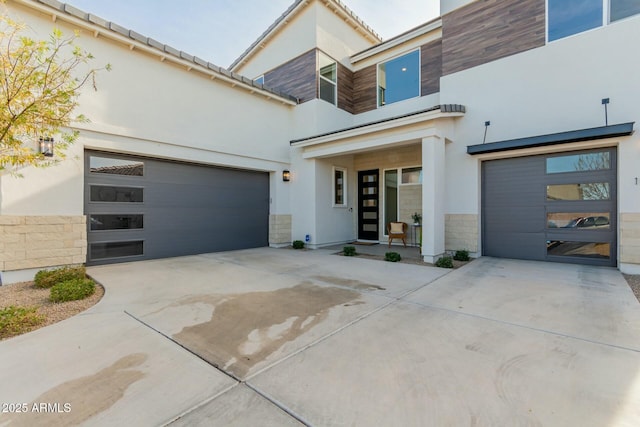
[(286, 175), (45, 146)]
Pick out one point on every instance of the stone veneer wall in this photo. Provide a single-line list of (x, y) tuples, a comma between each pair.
[(630, 238), (42, 241), (461, 232), (279, 230)]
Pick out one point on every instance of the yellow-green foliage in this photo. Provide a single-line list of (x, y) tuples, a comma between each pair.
[(72, 290), (48, 278), (17, 320)]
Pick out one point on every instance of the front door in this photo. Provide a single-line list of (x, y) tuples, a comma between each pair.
[(368, 205)]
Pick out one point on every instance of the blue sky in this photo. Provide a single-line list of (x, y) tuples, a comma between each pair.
[(220, 30)]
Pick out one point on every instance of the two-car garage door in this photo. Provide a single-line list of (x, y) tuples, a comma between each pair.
[(140, 208), (555, 207)]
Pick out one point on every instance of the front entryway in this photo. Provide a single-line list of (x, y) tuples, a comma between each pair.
[(554, 207), (368, 209)]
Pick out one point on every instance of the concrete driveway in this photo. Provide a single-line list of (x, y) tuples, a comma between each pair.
[(283, 337)]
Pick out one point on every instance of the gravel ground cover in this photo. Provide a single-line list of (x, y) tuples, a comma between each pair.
[(26, 295), (634, 283)]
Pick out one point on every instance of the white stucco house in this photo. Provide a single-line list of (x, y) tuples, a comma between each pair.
[(508, 125)]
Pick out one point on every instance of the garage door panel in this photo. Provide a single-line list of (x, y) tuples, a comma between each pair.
[(528, 213), (518, 246), (187, 209)]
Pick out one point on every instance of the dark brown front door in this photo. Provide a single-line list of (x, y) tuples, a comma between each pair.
[(368, 205)]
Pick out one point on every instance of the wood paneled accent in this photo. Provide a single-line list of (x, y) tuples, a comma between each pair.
[(431, 67), (364, 90), (486, 30), (296, 77), (345, 88)]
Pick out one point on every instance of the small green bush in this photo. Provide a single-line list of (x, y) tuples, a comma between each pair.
[(392, 257), (297, 244), (48, 278), (72, 290), (445, 262), (349, 251), (17, 320), (461, 255)]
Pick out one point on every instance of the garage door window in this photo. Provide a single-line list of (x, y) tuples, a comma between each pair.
[(588, 191), (111, 166), (108, 193), (579, 162), (116, 249), (579, 249), (578, 221), (116, 222)]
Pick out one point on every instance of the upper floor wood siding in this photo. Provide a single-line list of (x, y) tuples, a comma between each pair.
[(486, 30), (296, 77)]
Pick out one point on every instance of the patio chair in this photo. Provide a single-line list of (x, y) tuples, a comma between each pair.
[(397, 230)]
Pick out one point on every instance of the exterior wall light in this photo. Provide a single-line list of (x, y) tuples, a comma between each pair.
[(286, 175), (45, 147)]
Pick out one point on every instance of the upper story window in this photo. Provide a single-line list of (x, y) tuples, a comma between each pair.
[(328, 78), (620, 9), (259, 80), (399, 79), (569, 17)]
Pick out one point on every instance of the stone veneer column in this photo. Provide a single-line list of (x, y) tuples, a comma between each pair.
[(432, 198)]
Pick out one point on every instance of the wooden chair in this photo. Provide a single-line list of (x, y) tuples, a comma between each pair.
[(397, 230)]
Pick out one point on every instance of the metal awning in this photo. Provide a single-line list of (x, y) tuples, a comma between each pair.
[(603, 132)]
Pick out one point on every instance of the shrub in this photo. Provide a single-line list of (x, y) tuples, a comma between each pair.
[(17, 320), (392, 257), (48, 278), (72, 290), (297, 244), (461, 255), (349, 251), (445, 262)]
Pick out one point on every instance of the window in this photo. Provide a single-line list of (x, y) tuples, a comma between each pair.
[(579, 162), (568, 17), (588, 191), (579, 249), (109, 193), (390, 196), (620, 9), (339, 187), (412, 175), (399, 79), (116, 249), (259, 80), (116, 222), (328, 77), (578, 221), (108, 165)]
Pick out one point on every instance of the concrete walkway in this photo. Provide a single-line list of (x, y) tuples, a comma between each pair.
[(283, 337)]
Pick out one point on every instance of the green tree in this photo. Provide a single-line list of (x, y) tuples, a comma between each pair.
[(40, 82)]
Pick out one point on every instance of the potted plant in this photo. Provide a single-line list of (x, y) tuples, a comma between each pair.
[(417, 218)]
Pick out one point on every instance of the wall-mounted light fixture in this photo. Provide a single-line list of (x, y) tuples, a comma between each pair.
[(286, 175), (45, 147)]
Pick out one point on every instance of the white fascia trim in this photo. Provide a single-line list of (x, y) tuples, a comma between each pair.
[(384, 46), (163, 56), (376, 127), (340, 9)]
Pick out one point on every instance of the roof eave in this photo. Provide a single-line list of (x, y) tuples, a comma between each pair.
[(134, 40), (286, 17)]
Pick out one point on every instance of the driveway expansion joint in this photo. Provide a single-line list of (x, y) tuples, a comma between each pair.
[(531, 328)]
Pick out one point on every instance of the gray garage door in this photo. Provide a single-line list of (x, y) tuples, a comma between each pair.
[(556, 207), (140, 208)]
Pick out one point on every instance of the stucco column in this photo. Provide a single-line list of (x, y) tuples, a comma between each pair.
[(432, 198)]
